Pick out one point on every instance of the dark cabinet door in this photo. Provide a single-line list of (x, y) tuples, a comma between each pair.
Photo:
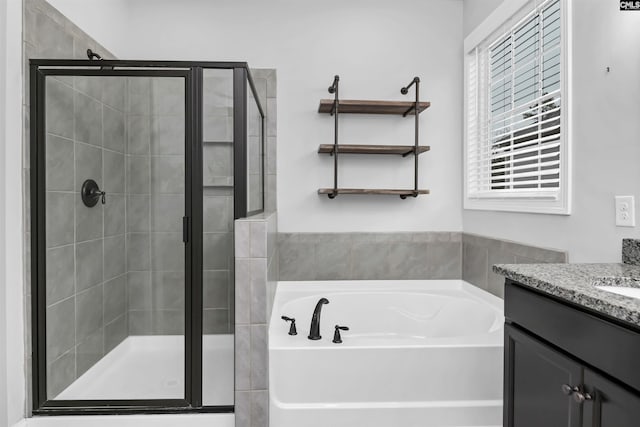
[(610, 405), (534, 379)]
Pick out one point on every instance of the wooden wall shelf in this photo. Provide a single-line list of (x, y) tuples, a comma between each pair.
[(403, 150), (365, 191), (339, 106), (351, 106)]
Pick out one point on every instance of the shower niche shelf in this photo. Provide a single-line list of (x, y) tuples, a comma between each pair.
[(337, 106)]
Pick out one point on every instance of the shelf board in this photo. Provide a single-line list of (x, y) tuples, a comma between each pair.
[(371, 191), (403, 150), (351, 106)]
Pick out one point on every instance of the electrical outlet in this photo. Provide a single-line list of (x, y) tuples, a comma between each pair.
[(625, 211)]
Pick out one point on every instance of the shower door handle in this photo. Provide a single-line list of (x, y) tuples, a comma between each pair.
[(185, 229)]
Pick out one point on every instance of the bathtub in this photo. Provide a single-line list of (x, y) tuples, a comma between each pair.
[(421, 353)]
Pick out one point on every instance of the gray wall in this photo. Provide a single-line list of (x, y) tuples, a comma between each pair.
[(265, 81), (256, 253), (403, 256), (355, 256), (86, 282), (479, 253), (476, 11), (93, 296)]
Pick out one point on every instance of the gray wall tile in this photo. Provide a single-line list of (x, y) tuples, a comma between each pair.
[(114, 215), (168, 95), (140, 322), (167, 135), (259, 357), (475, 266), (89, 351), (60, 273), (59, 164), (115, 298), (260, 408), (88, 164), (168, 175), (113, 132), (138, 175), (138, 251), (138, 212), (243, 357), (168, 322), (258, 268), (59, 105), (218, 214), (89, 264), (59, 221), (89, 312), (444, 260), (168, 290), (138, 135), (115, 332), (139, 95), (88, 120), (60, 373), (60, 328), (114, 176), (242, 291), (113, 92), (167, 251), (217, 251), (216, 288), (167, 212), (89, 85), (139, 290), (215, 321), (89, 220)]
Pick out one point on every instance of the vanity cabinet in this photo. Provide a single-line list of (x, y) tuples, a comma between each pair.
[(567, 367)]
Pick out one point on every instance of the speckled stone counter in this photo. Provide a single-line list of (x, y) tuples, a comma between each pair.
[(576, 283)]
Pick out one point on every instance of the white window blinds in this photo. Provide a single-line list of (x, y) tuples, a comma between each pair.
[(514, 145)]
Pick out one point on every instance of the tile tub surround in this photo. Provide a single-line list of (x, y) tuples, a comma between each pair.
[(373, 256), (479, 253), (256, 274), (631, 251), (576, 283)]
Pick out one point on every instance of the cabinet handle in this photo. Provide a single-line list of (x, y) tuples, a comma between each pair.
[(569, 390), (581, 396)]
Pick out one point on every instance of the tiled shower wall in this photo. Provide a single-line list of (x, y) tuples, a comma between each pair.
[(78, 278), (155, 205), (86, 282)]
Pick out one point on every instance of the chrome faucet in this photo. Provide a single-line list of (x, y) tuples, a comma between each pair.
[(314, 332)]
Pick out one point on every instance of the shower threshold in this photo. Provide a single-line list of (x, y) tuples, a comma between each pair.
[(152, 367)]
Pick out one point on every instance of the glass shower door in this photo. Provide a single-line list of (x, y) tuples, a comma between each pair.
[(113, 184)]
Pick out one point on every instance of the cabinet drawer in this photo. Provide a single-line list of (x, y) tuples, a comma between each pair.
[(600, 343)]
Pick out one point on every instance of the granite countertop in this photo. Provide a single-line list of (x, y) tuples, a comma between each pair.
[(576, 283)]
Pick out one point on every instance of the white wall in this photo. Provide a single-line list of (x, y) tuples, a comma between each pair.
[(476, 11), (12, 370), (376, 46), (606, 142)]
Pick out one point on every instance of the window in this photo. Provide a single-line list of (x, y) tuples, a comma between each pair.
[(516, 149)]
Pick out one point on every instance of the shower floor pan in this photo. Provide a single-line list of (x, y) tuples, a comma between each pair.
[(152, 367)]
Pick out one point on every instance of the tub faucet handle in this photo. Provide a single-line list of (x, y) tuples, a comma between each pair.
[(292, 328), (336, 335)]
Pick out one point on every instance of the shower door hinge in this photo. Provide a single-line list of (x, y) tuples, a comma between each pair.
[(185, 229)]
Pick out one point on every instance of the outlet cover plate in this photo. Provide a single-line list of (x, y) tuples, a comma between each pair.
[(625, 211)]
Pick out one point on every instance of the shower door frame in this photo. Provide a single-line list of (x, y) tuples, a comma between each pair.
[(192, 72)]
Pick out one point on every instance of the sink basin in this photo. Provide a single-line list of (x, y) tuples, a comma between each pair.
[(622, 290)]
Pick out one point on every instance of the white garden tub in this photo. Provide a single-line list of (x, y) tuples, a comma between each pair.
[(418, 353)]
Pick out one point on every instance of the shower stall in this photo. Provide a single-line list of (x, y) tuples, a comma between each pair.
[(138, 170)]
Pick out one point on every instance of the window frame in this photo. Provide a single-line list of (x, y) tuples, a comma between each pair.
[(508, 16)]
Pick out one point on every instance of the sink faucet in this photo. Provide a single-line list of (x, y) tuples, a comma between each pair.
[(314, 333)]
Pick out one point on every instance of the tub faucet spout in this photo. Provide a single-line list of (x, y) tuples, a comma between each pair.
[(314, 332)]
